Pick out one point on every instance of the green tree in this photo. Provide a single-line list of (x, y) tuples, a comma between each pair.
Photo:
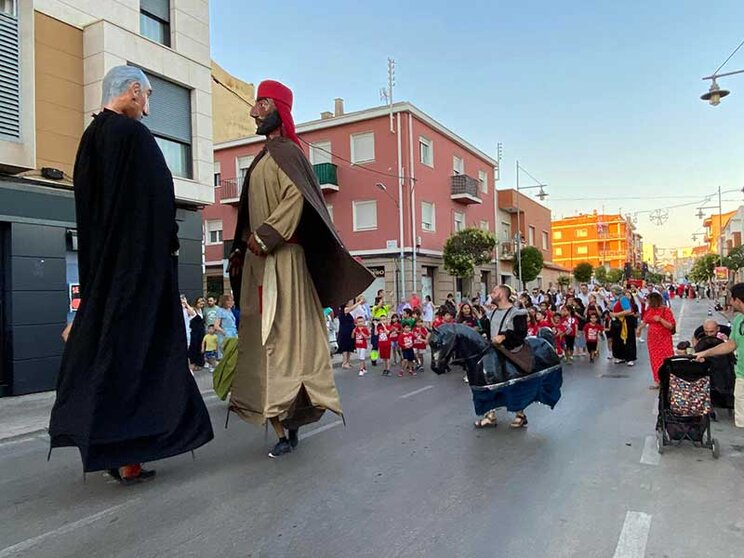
[(600, 275), (564, 281), (653, 277), (735, 259), (615, 275), (583, 272), (532, 264), (703, 268), (466, 249)]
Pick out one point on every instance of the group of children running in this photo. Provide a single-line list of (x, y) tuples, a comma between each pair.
[(394, 340), (566, 326)]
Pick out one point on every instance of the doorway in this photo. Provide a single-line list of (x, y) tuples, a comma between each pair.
[(4, 281)]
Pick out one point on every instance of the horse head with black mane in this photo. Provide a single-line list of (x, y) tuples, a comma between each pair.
[(483, 363)]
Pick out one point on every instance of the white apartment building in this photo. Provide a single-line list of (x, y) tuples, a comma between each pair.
[(53, 57)]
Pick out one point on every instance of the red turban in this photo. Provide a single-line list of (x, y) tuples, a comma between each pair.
[(282, 97)]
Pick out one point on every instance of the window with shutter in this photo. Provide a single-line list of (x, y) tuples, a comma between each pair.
[(170, 122), (483, 178), (155, 20), (459, 221), (10, 89), (426, 151), (214, 232), (458, 165), (243, 164), (365, 215), (428, 216), (320, 152), (363, 147)]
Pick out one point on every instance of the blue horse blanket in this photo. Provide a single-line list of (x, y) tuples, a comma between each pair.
[(517, 394)]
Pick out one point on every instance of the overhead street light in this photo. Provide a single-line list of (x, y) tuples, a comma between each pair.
[(714, 94)]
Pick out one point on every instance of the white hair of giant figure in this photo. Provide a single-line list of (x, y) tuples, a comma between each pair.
[(117, 82)]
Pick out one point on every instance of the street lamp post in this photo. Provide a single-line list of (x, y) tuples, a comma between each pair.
[(542, 194)]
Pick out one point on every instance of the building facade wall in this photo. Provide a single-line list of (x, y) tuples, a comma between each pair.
[(231, 105), (59, 97), (594, 238), (358, 182)]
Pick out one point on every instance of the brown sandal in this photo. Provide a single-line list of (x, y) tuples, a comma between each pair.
[(488, 420), (520, 421)]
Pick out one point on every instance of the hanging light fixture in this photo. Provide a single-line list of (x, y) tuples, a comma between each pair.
[(714, 94)]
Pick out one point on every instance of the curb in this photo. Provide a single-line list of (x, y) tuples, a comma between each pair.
[(23, 435)]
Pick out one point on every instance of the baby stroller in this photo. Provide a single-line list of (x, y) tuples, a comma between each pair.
[(684, 404)]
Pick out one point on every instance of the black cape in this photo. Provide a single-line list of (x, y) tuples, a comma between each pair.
[(124, 393), (337, 276)]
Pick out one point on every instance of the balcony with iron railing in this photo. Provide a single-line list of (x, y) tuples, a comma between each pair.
[(327, 176), (465, 189), (228, 191), (506, 249)]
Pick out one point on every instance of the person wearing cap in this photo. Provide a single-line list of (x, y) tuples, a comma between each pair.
[(287, 263)]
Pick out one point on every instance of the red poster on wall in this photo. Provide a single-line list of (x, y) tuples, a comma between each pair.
[(74, 297)]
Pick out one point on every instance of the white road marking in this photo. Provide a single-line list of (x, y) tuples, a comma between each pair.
[(634, 536), (23, 546), (315, 431), (416, 392), (650, 455)]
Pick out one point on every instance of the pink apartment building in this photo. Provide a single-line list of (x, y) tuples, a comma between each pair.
[(397, 184)]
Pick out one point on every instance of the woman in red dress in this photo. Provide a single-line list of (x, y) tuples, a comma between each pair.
[(661, 325)]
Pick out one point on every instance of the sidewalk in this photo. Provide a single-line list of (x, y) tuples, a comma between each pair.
[(28, 415)]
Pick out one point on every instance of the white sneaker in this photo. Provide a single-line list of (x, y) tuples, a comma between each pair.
[(631, 363), (618, 361), (362, 372)]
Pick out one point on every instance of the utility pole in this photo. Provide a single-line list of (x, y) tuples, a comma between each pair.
[(386, 93), (496, 178)]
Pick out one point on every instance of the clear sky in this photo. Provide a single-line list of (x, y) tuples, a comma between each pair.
[(598, 99)]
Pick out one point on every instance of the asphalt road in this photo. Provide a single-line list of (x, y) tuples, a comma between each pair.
[(408, 476)]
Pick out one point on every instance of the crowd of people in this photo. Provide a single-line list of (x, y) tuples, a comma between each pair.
[(582, 321), (209, 322)]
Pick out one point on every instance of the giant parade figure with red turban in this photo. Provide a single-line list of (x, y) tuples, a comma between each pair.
[(287, 263)]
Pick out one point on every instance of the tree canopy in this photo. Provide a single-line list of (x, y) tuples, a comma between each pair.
[(583, 272), (600, 274), (532, 264), (466, 249), (703, 269), (615, 275)]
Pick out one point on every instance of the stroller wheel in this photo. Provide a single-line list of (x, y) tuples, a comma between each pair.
[(660, 441), (715, 448)]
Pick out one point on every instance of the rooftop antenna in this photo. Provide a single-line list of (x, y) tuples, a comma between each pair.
[(386, 93)]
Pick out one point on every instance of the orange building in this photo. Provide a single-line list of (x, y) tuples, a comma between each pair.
[(595, 238), (713, 227)]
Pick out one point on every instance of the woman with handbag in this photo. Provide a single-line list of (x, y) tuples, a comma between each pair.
[(661, 326)]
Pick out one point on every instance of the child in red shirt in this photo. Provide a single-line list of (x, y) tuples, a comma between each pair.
[(406, 340), (571, 328), (421, 338), (395, 328), (558, 332), (361, 336), (592, 330), (384, 343)]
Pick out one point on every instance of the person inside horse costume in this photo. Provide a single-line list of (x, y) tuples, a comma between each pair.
[(512, 370)]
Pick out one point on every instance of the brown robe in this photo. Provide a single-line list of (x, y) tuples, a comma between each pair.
[(284, 367)]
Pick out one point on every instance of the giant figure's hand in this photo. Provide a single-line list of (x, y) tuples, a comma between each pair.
[(235, 263), (254, 247)]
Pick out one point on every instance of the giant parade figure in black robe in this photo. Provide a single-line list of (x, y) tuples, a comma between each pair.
[(125, 394)]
